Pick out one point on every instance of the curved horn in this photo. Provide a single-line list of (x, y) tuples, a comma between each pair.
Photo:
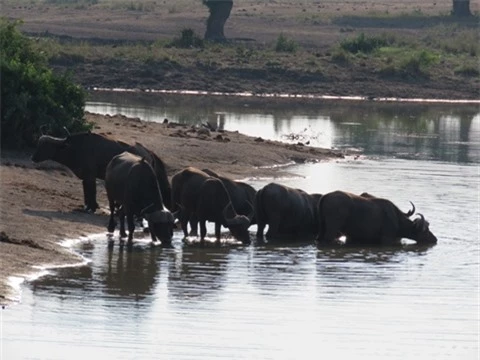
[(160, 216), (142, 212), (410, 212), (51, 140), (42, 129), (66, 131), (421, 222)]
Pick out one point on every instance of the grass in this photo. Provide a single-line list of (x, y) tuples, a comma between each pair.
[(386, 55)]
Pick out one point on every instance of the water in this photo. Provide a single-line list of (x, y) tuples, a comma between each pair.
[(285, 301)]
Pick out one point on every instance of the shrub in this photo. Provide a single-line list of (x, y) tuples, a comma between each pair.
[(32, 95), (188, 39), (466, 70), (285, 44), (364, 44), (340, 56), (418, 62)]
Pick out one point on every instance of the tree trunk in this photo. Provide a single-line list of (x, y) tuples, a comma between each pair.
[(461, 8), (219, 13)]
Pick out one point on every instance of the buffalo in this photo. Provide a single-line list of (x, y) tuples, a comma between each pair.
[(200, 198), (132, 187), (241, 194), (87, 156), (288, 212), (368, 220)]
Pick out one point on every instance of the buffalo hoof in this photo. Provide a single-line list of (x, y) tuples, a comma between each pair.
[(89, 210)]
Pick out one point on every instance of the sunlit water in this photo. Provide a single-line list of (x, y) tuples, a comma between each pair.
[(284, 301)]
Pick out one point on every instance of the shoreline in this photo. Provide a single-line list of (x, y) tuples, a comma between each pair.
[(285, 96), (41, 203)]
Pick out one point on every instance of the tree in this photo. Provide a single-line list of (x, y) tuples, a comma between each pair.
[(219, 13), (461, 8), (32, 96)]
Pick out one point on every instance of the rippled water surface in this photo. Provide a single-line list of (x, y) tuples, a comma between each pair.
[(283, 301)]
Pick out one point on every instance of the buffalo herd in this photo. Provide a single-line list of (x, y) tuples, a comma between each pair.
[(138, 187)]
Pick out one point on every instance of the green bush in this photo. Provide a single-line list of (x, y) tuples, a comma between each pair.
[(285, 44), (364, 44), (418, 62), (32, 95), (188, 39), (466, 70)]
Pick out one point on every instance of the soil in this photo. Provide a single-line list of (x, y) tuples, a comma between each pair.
[(41, 204)]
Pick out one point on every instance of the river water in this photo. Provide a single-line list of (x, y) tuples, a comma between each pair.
[(284, 301)]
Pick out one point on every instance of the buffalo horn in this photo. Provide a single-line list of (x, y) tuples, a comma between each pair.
[(410, 212), (236, 219), (42, 131), (51, 140), (160, 216), (142, 212), (421, 223)]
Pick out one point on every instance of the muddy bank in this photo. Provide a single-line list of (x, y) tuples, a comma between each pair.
[(41, 203), (337, 81)]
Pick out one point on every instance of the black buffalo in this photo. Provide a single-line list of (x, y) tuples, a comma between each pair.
[(201, 198), (132, 186), (87, 156), (288, 212), (241, 194), (368, 220)]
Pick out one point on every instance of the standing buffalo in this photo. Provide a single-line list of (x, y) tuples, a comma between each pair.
[(288, 212), (369, 220), (201, 197), (87, 156), (241, 193), (159, 169), (131, 184)]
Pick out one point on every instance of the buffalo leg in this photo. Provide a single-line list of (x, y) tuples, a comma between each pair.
[(121, 217), (260, 229), (193, 225), (111, 222), (131, 227), (152, 235), (184, 224), (203, 230), (274, 226), (217, 231), (90, 194)]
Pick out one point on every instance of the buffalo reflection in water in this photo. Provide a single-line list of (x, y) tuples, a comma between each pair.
[(132, 273), (198, 272), (349, 266)]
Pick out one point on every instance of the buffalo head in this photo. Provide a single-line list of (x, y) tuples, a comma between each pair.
[(421, 232), (47, 148), (238, 224), (161, 223)]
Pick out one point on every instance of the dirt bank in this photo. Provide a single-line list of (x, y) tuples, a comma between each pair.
[(120, 46), (40, 203)]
